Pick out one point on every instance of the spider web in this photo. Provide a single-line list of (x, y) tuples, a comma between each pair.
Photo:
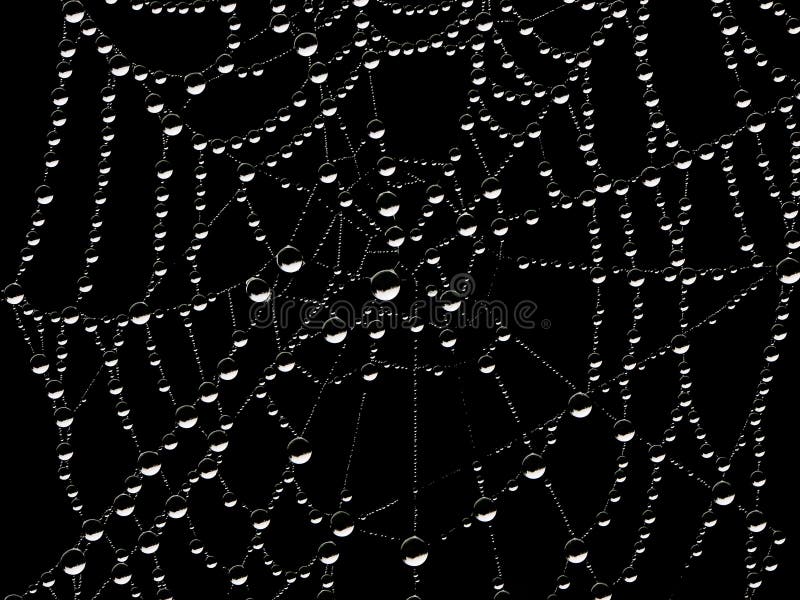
[(326, 270)]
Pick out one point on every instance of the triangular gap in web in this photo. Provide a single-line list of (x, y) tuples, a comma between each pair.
[(310, 282), (660, 312), (537, 389), (732, 377)]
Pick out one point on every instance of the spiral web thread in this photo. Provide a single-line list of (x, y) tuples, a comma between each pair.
[(475, 28)]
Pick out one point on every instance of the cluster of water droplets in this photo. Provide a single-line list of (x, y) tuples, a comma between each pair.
[(371, 211)]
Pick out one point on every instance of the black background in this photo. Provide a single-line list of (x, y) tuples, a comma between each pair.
[(420, 100)]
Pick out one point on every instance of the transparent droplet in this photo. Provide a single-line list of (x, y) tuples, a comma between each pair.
[(342, 524), (576, 551), (195, 83), (299, 450), (92, 530), (74, 11), (533, 466), (177, 507), (149, 463), (385, 285), (73, 562), (306, 44), (258, 290), (486, 364), (328, 553), (139, 313), (414, 551), (466, 224), (484, 509), (680, 344), (788, 271), (623, 430), (259, 519), (186, 416), (601, 591), (334, 330), (723, 493), (580, 405), (289, 259), (491, 188), (756, 521)]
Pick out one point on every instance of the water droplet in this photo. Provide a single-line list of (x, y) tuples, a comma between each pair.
[(576, 551), (580, 405), (385, 285), (484, 509), (788, 271), (414, 551), (258, 290), (342, 524), (533, 466), (73, 562), (723, 493), (299, 451), (289, 259), (306, 44)]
